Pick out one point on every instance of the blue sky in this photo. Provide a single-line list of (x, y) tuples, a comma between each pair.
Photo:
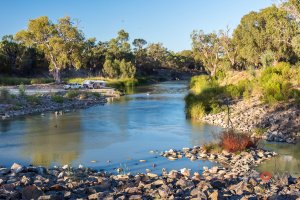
[(167, 21)]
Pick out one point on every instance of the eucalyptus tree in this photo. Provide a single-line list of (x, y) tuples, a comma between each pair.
[(208, 50), (61, 42), (228, 47), (139, 51), (270, 30)]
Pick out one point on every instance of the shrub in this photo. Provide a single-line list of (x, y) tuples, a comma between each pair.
[(4, 95), (83, 96), (202, 82), (197, 111), (33, 99), (22, 89), (233, 141), (275, 83), (71, 94), (57, 98), (212, 148)]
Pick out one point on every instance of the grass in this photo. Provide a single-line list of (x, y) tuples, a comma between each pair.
[(4, 81), (273, 85), (57, 98), (71, 94)]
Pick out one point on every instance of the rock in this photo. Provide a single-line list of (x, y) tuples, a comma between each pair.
[(214, 195), (65, 167), (185, 183), (133, 190), (173, 174), (172, 158), (135, 197), (122, 177), (31, 192), (185, 172), (16, 168), (57, 187), (217, 184), (158, 182), (214, 170), (152, 176), (4, 171)]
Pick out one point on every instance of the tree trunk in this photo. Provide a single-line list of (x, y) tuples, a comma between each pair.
[(57, 75)]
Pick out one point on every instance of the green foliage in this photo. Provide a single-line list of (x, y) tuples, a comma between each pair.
[(275, 83), (127, 69), (26, 81), (111, 68), (208, 48), (259, 33), (57, 98), (34, 99), (242, 89), (267, 59), (22, 89), (4, 95), (62, 43), (71, 94), (206, 98), (202, 82)]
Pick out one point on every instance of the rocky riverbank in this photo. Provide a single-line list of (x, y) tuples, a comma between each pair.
[(41, 103), (238, 180), (280, 123)]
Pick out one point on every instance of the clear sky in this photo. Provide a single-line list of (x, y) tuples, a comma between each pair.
[(167, 21)]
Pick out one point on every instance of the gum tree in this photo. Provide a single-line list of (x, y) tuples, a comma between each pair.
[(62, 43)]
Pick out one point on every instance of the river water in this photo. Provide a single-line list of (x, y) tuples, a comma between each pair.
[(119, 134)]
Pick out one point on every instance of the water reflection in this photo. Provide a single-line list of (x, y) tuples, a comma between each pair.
[(56, 140), (288, 159)]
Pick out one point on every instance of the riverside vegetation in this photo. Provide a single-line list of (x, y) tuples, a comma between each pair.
[(264, 102)]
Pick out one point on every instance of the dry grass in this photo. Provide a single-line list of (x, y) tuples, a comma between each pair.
[(233, 141)]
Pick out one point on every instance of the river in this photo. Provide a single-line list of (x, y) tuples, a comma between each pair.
[(119, 134)]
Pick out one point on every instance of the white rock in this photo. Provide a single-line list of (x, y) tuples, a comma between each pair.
[(65, 166)]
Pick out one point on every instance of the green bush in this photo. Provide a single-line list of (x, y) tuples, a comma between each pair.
[(22, 89), (275, 83), (202, 82), (71, 94), (26, 81), (4, 95), (34, 99), (57, 98), (241, 89)]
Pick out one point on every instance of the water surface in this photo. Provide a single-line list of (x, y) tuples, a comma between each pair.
[(122, 132)]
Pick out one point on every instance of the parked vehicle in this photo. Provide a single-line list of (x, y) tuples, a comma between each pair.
[(88, 84), (99, 84), (73, 86), (94, 84)]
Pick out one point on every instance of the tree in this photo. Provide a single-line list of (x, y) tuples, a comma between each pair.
[(11, 51), (208, 48), (62, 43), (270, 30), (292, 7), (157, 54), (139, 51), (127, 69), (111, 68), (228, 47)]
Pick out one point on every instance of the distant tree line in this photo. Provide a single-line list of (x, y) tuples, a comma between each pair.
[(46, 46), (261, 39)]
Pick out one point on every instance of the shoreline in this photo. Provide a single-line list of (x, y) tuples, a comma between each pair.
[(47, 104), (279, 123), (238, 179)]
